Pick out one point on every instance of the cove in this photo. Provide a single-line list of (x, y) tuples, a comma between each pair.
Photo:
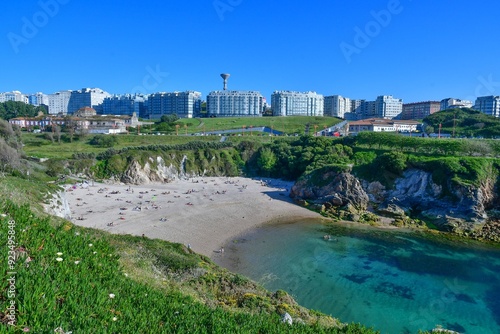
[(394, 281)]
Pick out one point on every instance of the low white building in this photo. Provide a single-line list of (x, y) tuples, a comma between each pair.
[(383, 125)]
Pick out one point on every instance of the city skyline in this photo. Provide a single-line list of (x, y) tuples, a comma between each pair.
[(415, 50)]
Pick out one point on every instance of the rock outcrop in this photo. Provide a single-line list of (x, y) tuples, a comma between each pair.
[(459, 208), (331, 188), (57, 205), (154, 171)]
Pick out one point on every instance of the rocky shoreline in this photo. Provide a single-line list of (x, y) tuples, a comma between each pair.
[(414, 201)]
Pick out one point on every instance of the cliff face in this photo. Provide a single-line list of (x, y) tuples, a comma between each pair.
[(459, 207), (154, 171)]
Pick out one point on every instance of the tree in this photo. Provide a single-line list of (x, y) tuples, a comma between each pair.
[(169, 119), (57, 132), (267, 160), (394, 162)]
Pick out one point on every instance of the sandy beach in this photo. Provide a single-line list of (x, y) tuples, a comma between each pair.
[(204, 213)]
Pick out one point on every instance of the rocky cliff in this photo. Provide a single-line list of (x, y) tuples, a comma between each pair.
[(154, 171), (459, 208)]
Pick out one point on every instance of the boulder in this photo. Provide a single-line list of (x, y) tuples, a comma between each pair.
[(287, 318), (336, 188)]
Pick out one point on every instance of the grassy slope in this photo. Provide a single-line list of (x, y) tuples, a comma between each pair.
[(36, 145), (289, 124), (157, 287)]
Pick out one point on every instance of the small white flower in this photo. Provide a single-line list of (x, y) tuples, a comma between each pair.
[(76, 262), (59, 253), (59, 259), (115, 318), (95, 252), (111, 295), (77, 233), (126, 275), (90, 245)]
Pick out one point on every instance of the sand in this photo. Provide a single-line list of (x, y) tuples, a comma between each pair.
[(204, 213)]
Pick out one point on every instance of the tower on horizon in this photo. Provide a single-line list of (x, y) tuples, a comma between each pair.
[(225, 76)]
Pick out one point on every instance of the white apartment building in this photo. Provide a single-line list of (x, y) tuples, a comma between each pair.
[(38, 99), (388, 107), (337, 106), (231, 103), (451, 103), (489, 105), (58, 102), (183, 104), (16, 96), (87, 97), (289, 103)]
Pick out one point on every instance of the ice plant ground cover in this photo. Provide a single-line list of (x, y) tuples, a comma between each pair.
[(75, 281)]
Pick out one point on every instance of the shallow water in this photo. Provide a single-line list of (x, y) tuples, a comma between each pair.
[(393, 281)]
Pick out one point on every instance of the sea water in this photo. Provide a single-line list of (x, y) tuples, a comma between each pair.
[(393, 281)]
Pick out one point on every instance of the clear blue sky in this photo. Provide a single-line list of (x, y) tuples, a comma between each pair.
[(417, 50)]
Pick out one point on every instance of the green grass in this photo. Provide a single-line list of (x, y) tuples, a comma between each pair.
[(37, 146), (89, 281), (288, 125)]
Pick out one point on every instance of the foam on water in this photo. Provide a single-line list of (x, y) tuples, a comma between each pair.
[(394, 281)]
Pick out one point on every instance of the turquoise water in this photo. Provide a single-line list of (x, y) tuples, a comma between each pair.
[(393, 281)]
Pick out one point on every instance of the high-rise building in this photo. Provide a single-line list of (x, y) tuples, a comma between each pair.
[(489, 105), (451, 103), (58, 102), (15, 96), (337, 106), (419, 110), (38, 99), (87, 97), (183, 104), (367, 109), (232, 103), (127, 104), (388, 107), (288, 103), (356, 105)]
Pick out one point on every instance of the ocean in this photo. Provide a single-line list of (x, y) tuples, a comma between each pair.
[(395, 281)]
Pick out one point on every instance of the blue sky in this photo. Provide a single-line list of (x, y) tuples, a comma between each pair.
[(416, 50)]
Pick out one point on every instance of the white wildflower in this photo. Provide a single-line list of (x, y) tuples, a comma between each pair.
[(59, 253), (90, 245), (111, 295), (115, 318), (59, 259), (76, 262)]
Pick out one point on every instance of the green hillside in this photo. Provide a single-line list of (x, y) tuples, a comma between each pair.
[(464, 123)]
